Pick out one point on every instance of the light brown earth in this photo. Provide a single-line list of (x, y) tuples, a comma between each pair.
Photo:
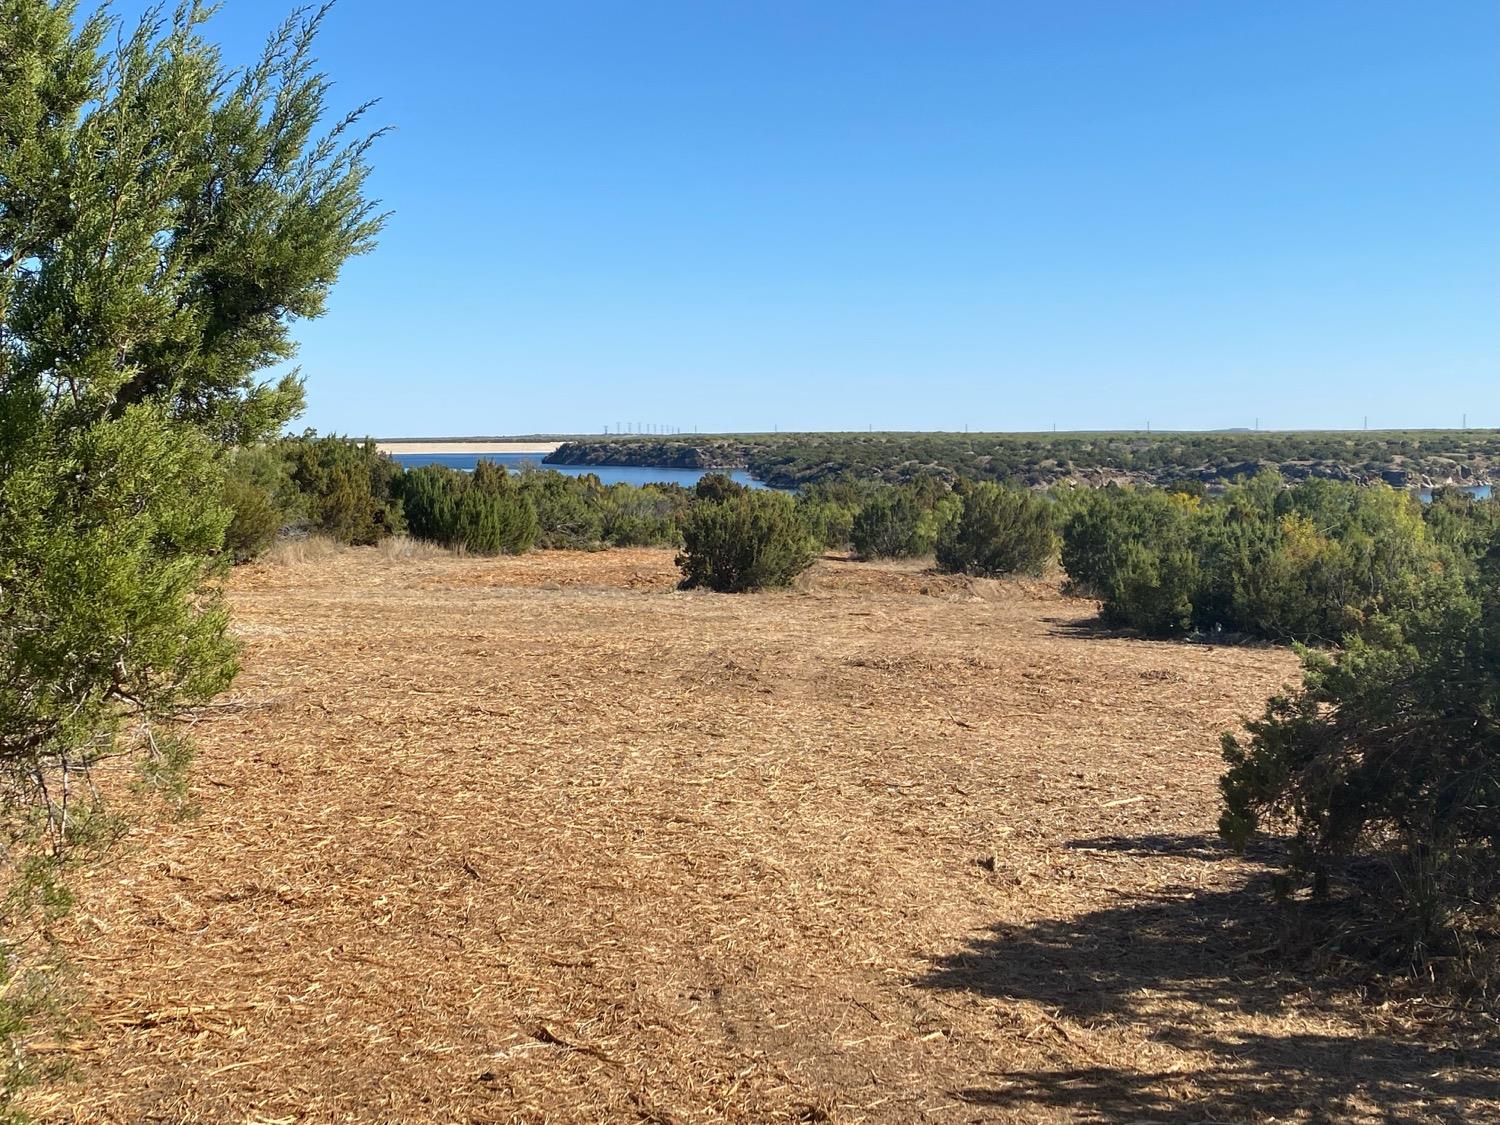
[(544, 840)]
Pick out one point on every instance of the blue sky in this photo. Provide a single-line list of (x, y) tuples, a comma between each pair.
[(924, 215)]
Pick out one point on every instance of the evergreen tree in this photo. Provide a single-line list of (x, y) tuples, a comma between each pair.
[(887, 525), (747, 541), (162, 220), (1000, 531)]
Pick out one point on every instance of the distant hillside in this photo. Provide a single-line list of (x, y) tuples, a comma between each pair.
[(1403, 458)]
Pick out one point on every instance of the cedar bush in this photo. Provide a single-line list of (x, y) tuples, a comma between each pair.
[(262, 499), (1390, 749), (749, 540), (483, 512), (163, 219), (1306, 563), (569, 510), (999, 531), (429, 500), (350, 489), (254, 519), (494, 523), (887, 526), (648, 516), (829, 510), (718, 486)]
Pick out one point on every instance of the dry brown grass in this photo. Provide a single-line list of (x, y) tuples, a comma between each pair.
[(301, 550), (403, 548), (542, 839)]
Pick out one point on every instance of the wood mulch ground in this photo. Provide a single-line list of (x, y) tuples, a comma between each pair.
[(544, 840)]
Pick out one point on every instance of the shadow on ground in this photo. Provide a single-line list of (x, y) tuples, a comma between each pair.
[(1193, 969)]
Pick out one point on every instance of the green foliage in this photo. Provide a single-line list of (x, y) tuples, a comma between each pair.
[(887, 526), (262, 499), (569, 510), (1392, 749), (162, 219), (642, 517), (831, 525), (1460, 522), (494, 523), (254, 519), (937, 518), (1186, 461), (999, 531), (749, 540), (483, 512), (350, 490), (429, 501), (1304, 563), (107, 534), (717, 487), (829, 509)]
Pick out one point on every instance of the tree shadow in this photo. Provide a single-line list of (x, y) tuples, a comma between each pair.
[(1204, 971), (1096, 628)]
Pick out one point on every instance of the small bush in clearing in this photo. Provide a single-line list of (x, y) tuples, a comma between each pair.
[(746, 541)]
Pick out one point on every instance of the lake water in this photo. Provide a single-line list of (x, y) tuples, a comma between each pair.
[(609, 474), (1480, 492)]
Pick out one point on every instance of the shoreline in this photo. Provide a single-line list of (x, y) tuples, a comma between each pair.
[(466, 448)]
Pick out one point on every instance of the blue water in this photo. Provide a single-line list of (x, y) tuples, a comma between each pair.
[(608, 474), (1480, 491)]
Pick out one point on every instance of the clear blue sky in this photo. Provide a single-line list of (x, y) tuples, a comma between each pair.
[(922, 215)]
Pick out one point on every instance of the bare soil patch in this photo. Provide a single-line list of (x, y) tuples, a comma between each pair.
[(544, 839)]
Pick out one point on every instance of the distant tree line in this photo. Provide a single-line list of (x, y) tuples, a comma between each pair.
[(1403, 458)]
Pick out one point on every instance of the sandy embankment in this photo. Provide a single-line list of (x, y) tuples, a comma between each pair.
[(467, 446)]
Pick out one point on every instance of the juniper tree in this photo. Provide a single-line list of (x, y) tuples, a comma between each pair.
[(163, 220)]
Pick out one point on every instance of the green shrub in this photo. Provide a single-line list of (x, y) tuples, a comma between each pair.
[(262, 499), (568, 509), (1153, 588), (163, 221), (999, 531), (935, 521), (642, 517), (1457, 520), (254, 519), (494, 523), (429, 500), (748, 541), (483, 512), (1106, 524), (887, 526), (1390, 749), (718, 486), (830, 524), (1306, 563), (351, 490)]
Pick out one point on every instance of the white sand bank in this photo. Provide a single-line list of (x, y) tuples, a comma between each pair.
[(467, 446)]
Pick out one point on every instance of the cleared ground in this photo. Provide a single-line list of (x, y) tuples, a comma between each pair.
[(542, 839)]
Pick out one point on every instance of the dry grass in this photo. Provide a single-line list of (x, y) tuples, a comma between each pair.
[(302, 550), (543, 840), (403, 548)]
